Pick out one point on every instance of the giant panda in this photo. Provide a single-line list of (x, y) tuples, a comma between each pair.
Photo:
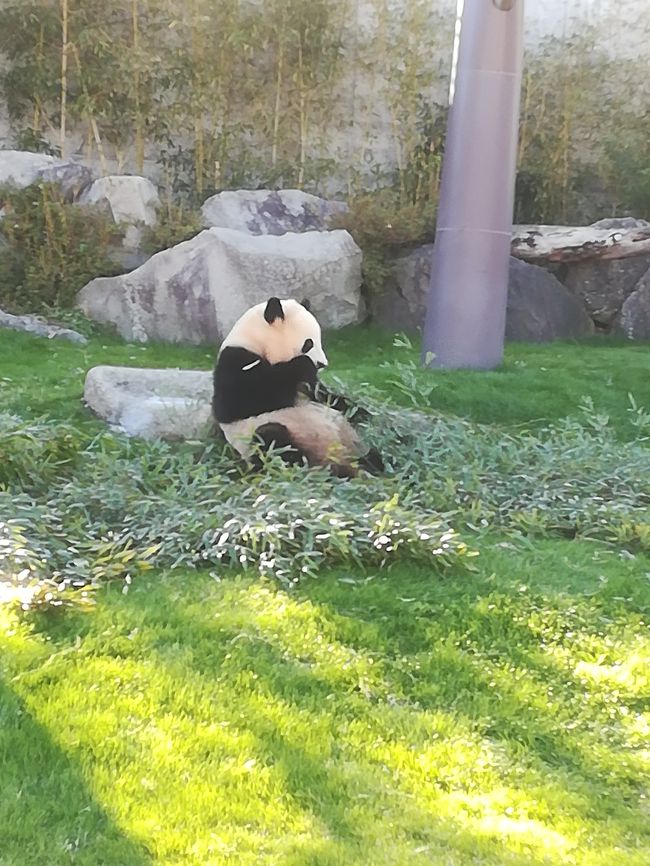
[(265, 382)]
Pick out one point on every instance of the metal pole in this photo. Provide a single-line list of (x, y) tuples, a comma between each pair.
[(466, 309)]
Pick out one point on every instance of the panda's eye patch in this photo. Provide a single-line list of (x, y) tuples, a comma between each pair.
[(307, 346)]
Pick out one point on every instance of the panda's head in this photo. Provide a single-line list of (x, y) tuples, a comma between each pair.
[(278, 331)]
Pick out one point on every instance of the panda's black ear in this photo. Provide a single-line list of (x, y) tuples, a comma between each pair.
[(306, 303), (273, 310)]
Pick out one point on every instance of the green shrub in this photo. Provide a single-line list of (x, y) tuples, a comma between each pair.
[(50, 249), (32, 140), (384, 224), (627, 168), (35, 454), (176, 223), (73, 318)]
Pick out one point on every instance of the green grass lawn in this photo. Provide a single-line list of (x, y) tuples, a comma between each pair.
[(494, 717), (536, 382)]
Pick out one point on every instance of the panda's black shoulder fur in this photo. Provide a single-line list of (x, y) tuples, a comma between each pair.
[(245, 384)]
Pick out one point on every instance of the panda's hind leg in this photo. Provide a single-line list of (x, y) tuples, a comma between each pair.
[(274, 435)]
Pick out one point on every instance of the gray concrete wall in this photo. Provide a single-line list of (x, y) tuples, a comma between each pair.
[(371, 133)]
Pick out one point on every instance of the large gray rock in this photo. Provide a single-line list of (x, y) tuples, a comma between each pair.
[(401, 305), (152, 404), (20, 168), (539, 308), (269, 212), (604, 284), (634, 318), (196, 291)]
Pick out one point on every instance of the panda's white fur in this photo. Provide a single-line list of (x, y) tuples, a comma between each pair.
[(322, 433)]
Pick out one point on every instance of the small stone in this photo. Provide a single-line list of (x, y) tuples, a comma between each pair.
[(40, 328)]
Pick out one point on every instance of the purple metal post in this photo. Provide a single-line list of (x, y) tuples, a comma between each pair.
[(466, 310)]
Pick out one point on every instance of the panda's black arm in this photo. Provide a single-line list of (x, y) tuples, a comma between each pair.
[(245, 384), (322, 394)]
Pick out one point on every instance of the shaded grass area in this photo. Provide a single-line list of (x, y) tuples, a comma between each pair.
[(368, 718), (491, 718)]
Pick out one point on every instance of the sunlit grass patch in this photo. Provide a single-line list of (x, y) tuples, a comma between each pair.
[(400, 718)]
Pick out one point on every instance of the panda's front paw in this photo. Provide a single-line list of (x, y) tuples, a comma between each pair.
[(305, 370)]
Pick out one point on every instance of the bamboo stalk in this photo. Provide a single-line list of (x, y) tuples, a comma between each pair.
[(198, 58), (91, 118), (302, 117), (199, 151), (139, 132), (353, 97), (36, 117), (278, 98), (64, 74), (100, 146), (523, 128), (566, 140)]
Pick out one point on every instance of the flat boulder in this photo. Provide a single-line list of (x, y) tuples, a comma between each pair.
[(152, 404), (195, 292), (615, 238), (269, 212), (20, 168)]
